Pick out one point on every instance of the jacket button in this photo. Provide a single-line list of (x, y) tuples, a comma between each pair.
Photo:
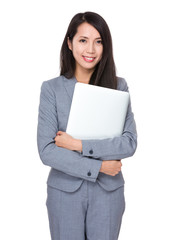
[(91, 151), (89, 173)]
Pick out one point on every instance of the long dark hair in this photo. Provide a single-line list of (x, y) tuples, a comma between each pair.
[(105, 72)]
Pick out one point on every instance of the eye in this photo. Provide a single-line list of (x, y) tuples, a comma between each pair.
[(82, 40), (99, 42)]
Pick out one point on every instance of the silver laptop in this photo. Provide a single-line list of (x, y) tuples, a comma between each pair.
[(97, 112)]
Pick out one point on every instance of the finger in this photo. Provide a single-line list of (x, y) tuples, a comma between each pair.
[(59, 132), (116, 173)]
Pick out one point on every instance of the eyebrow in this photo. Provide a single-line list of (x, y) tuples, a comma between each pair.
[(87, 37)]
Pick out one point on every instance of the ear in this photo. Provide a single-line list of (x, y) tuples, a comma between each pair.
[(69, 43)]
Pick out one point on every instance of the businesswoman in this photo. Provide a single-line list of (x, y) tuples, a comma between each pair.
[(85, 186)]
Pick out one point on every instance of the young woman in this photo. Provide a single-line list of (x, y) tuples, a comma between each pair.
[(85, 187)]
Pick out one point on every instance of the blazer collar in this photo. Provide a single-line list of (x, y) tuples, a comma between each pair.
[(69, 84)]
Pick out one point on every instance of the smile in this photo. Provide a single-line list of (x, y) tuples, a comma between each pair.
[(88, 59)]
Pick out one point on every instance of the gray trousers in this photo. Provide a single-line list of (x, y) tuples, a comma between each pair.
[(89, 213)]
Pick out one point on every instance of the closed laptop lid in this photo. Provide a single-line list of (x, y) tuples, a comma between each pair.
[(97, 112)]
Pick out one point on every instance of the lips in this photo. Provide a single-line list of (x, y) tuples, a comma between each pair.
[(88, 59)]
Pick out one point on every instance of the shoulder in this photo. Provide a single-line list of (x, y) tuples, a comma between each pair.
[(54, 84), (122, 84)]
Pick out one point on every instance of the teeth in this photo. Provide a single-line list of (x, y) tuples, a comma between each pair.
[(89, 58)]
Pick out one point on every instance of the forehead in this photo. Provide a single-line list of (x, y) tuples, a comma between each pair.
[(87, 30)]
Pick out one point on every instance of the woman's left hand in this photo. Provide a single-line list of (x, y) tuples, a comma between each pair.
[(64, 140)]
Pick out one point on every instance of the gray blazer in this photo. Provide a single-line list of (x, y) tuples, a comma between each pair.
[(70, 168)]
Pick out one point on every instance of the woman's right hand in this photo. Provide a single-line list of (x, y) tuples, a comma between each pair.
[(111, 167)]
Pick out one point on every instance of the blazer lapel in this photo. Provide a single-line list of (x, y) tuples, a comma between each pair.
[(69, 85)]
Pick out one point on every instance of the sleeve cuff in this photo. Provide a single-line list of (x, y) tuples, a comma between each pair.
[(89, 148)]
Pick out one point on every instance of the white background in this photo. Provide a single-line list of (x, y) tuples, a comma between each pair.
[(31, 36)]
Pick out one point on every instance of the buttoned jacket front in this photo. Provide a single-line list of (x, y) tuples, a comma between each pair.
[(70, 168)]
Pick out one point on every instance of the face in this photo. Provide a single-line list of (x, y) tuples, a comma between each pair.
[(86, 47)]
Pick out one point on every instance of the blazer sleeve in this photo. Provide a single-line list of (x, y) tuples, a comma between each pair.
[(116, 147), (62, 159)]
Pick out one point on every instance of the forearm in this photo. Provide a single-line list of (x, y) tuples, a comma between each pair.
[(114, 148), (69, 162), (64, 160), (77, 145)]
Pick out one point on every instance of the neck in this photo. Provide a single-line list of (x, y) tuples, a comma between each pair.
[(83, 77)]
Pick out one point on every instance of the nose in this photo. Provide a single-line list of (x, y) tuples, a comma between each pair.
[(90, 48)]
